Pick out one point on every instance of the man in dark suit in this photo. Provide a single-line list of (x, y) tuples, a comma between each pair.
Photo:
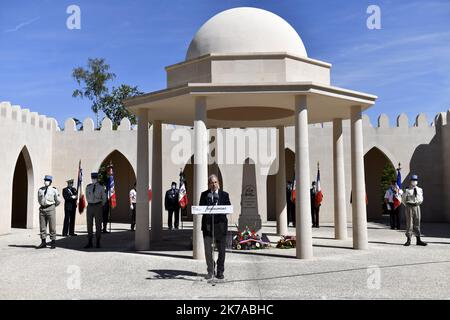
[(315, 207), (172, 206), (214, 196), (70, 208)]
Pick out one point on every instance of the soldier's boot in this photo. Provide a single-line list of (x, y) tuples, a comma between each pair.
[(420, 242), (42, 245), (98, 243), (408, 241), (89, 245), (53, 245)]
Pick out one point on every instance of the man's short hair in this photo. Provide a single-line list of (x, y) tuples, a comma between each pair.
[(213, 176)]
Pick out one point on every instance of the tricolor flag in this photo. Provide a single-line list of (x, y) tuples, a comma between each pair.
[(111, 189), (319, 194), (182, 194), (397, 198), (81, 198), (294, 192)]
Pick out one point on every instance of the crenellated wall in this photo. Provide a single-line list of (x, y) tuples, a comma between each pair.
[(22, 130), (421, 147)]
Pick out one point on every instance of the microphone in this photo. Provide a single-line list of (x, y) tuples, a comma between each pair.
[(210, 198), (215, 198)]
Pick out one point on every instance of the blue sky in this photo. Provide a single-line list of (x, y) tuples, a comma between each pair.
[(406, 63)]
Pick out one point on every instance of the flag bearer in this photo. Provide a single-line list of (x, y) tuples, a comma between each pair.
[(96, 198), (413, 198)]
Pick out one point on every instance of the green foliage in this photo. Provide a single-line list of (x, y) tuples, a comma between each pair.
[(113, 107), (92, 82)]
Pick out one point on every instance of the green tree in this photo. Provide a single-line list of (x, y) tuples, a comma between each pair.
[(389, 174), (113, 107), (93, 82)]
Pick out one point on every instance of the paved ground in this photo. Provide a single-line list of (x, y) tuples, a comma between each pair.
[(168, 272)]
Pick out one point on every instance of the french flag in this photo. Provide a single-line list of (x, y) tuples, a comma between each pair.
[(294, 192), (319, 194), (182, 194), (111, 188), (82, 199), (397, 198)]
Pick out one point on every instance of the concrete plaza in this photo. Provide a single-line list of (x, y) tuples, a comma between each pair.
[(169, 272)]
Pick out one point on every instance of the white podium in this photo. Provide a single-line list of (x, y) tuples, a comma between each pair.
[(212, 209)]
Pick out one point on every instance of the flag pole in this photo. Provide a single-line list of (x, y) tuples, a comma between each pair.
[(182, 209), (109, 206)]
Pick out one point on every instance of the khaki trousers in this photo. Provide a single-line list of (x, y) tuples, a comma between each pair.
[(47, 216), (94, 212), (412, 214)]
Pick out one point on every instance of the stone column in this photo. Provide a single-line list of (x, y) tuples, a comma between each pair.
[(302, 180), (200, 172), (142, 235), (157, 223), (359, 214), (340, 208), (281, 210)]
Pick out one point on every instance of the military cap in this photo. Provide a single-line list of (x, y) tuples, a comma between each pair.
[(48, 178), (94, 175), (414, 177)]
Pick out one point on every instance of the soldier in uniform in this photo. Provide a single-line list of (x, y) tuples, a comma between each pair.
[(49, 199), (172, 205), (413, 198), (96, 198), (133, 195), (315, 208), (70, 208)]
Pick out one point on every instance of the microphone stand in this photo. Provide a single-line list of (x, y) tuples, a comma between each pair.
[(213, 244)]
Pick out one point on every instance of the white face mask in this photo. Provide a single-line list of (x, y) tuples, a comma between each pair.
[(47, 183), (414, 183), (94, 180)]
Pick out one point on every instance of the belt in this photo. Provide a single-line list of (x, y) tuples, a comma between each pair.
[(46, 207), (413, 204), (94, 203)]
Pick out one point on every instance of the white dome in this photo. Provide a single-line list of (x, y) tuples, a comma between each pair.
[(245, 30)]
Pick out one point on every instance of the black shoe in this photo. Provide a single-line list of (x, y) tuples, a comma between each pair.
[(89, 245), (73, 234), (53, 245), (408, 242), (220, 276), (209, 276), (42, 245), (105, 231), (420, 242), (64, 234), (98, 243)]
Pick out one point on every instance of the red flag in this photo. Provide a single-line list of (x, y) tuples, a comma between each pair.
[(82, 199)]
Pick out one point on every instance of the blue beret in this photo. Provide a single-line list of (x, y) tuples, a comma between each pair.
[(48, 178)]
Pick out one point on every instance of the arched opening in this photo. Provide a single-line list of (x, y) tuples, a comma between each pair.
[(271, 183), (375, 162), (124, 179), (22, 192), (189, 176)]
